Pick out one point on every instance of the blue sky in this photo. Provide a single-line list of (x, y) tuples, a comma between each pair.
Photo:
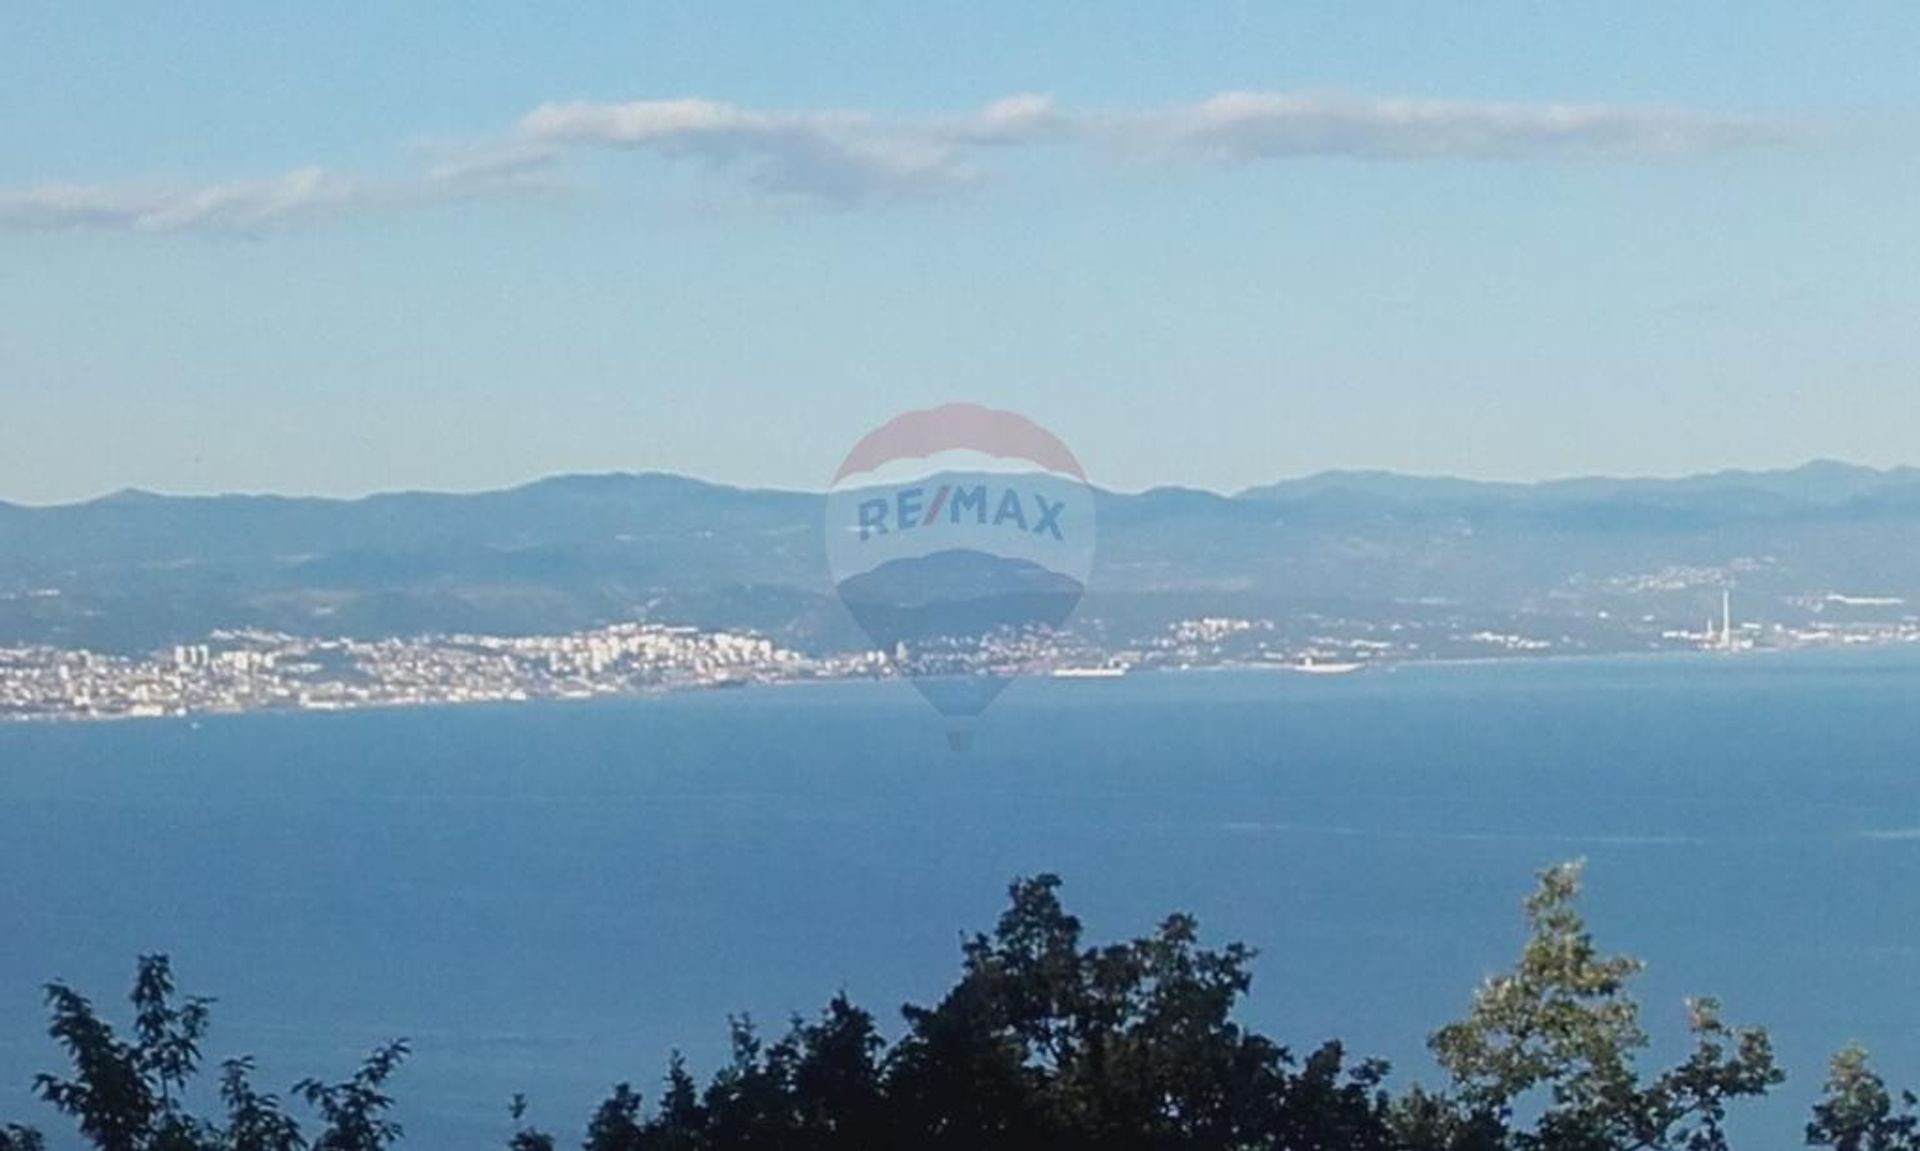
[(352, 249)]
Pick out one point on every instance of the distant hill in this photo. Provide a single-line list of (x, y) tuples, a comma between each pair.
[(957, 593), (137, 570), (1821, 484)]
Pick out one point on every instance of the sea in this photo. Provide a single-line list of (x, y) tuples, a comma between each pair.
[(549, 898)]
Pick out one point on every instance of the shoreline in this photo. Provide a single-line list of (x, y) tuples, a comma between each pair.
[(684, 691)]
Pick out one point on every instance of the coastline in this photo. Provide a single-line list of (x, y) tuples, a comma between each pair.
[(1262, 668)]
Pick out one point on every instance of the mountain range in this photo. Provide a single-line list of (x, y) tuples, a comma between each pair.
[(135, 570)]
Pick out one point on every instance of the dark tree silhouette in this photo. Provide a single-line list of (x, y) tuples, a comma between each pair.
[(128, 1094), (124, 1095), (526, 1137), (1048, 1043), (255, 1121), (1043, 1043), (355, 1111)]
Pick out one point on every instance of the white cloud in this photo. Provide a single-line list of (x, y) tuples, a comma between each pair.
[(849, 157), (1022, 119), (254, 206), (235, 206), (458, 164), (1249, 126), (846, 158), (831, 157)]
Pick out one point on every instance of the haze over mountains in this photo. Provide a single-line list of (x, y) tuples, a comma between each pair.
[(134, 571)]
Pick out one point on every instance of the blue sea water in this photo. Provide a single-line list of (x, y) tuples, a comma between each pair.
[(547, 898)]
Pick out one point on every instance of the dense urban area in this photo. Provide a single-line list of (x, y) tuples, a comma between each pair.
[(242, 671)]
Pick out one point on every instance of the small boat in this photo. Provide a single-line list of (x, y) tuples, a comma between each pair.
[(1310, 666), (1088, 672)]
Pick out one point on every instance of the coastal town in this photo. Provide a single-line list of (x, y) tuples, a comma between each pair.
[(255, 671), (248, 671)]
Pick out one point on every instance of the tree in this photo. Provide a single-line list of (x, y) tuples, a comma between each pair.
[(836, 1079), (254, 1121), (1046, 1041), (1856, 1111), (125, 1095), (1558, 1037), (526, 1137), (129, 1094), (616, 1125), (16, 1138), (355, 1111)]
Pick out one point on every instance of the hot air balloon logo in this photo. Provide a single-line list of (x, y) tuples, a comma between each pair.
[(961, 539)]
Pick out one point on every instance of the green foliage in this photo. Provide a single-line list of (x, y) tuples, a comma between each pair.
[(526, 1137), (1044, 1042), (16, 1138), (1557, 1038), (355, 1111), (616, 1125), (125, 1095), (1856, 1111), (128, 1094), (255, 1121), (1047, 1042)]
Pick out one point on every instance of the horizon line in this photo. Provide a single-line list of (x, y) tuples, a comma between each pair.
[(140, 493)]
